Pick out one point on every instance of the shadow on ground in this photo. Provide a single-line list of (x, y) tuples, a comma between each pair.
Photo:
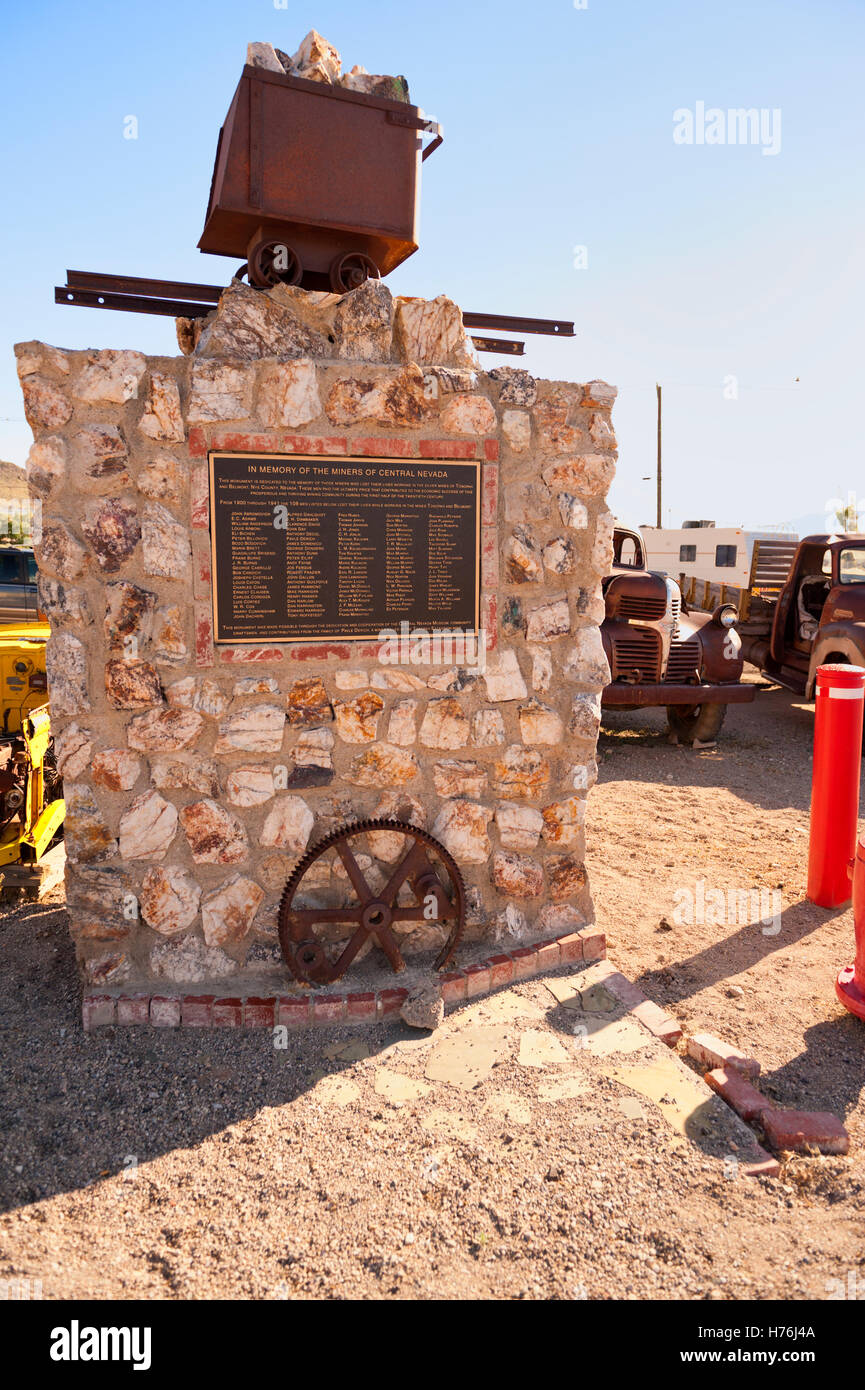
[(76, 1107)]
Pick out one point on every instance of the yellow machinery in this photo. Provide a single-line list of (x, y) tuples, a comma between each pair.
[(31, 807)]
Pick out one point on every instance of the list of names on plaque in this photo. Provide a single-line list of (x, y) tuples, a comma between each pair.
[(317, 548)]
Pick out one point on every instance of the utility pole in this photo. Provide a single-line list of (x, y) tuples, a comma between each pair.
[(660, 521)]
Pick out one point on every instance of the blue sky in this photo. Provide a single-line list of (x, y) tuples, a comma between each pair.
[(705, 262)]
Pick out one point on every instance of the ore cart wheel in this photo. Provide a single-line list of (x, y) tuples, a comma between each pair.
[(696, 723), (273, 263), (384, 875), (350, 271)]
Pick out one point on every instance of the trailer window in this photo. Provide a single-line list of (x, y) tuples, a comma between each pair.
[(851, 566), (725, 556), (688, 553)]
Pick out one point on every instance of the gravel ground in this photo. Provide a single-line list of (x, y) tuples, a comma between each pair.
[(735, 816), (195, 1165)]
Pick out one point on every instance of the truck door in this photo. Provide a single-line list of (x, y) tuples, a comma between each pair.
[(801, 599)]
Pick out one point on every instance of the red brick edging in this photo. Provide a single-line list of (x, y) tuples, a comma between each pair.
[(313, 1010)]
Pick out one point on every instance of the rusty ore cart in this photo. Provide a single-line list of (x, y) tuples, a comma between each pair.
[(315, 185)]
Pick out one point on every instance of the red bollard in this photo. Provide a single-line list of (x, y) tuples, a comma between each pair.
[(850, 984), (835, 782)]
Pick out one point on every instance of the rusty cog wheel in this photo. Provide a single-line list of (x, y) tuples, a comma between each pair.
[(272, 262), (351, 270), (375, 909)]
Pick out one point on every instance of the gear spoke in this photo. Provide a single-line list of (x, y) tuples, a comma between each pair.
[(354, 871), (403, 870)]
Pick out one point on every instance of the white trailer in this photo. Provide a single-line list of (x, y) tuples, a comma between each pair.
[(706, 553)]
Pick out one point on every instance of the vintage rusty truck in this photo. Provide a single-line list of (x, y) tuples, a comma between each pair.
[(663, 653), (804, 605)]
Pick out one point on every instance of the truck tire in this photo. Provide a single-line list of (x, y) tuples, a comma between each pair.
[(696, 723)]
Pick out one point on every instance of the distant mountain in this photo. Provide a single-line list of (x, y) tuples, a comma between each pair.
[(13, 480)]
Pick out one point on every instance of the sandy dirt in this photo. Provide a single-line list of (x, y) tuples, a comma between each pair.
[(533, 1148), (735, 816)]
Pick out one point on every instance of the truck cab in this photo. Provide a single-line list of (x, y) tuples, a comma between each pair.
[(819, 615), (660, 653)]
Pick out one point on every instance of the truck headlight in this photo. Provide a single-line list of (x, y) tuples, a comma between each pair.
[(725, 615)]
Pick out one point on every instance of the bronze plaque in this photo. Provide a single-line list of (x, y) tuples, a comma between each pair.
[(317, 548)]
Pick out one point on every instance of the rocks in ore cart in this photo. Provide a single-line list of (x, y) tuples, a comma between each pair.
[(316, 60)]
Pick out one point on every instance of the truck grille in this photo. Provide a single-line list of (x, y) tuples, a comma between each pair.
[(649, 609), (639, 652), (683, 665)]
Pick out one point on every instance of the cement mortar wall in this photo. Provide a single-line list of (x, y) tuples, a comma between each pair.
[(196, 775)]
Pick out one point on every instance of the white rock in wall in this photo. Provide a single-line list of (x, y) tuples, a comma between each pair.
[(58, 553), (587, 661), (550, 620), (169, 900), (573, 512), (314, 748), (288, 394), (504, 679), (402, 728), (147, 827), (39, 357), (164, 731), (589, 475), (585, 717), (66, 665), (199, 693), (389, 679), (219, 391), (256, 685), (72, 750), (116, 769), (462, 828), (165, 543), (162, 479), (542, 670), (464, 414), (214, 833), (488, 728), (227, 914), (162, 418), (249, 786), (519, 827), (455, 778), (46, 462), (445, 725), (564, 820), (540, 724), (602, 549), (357, 719), (431, 332), (583, 775), (45, 405), (258, 729), (187, 960), (288, 825), (112, 375), (517, 429)]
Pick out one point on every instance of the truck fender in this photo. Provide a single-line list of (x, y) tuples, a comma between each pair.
[(836, 640)]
